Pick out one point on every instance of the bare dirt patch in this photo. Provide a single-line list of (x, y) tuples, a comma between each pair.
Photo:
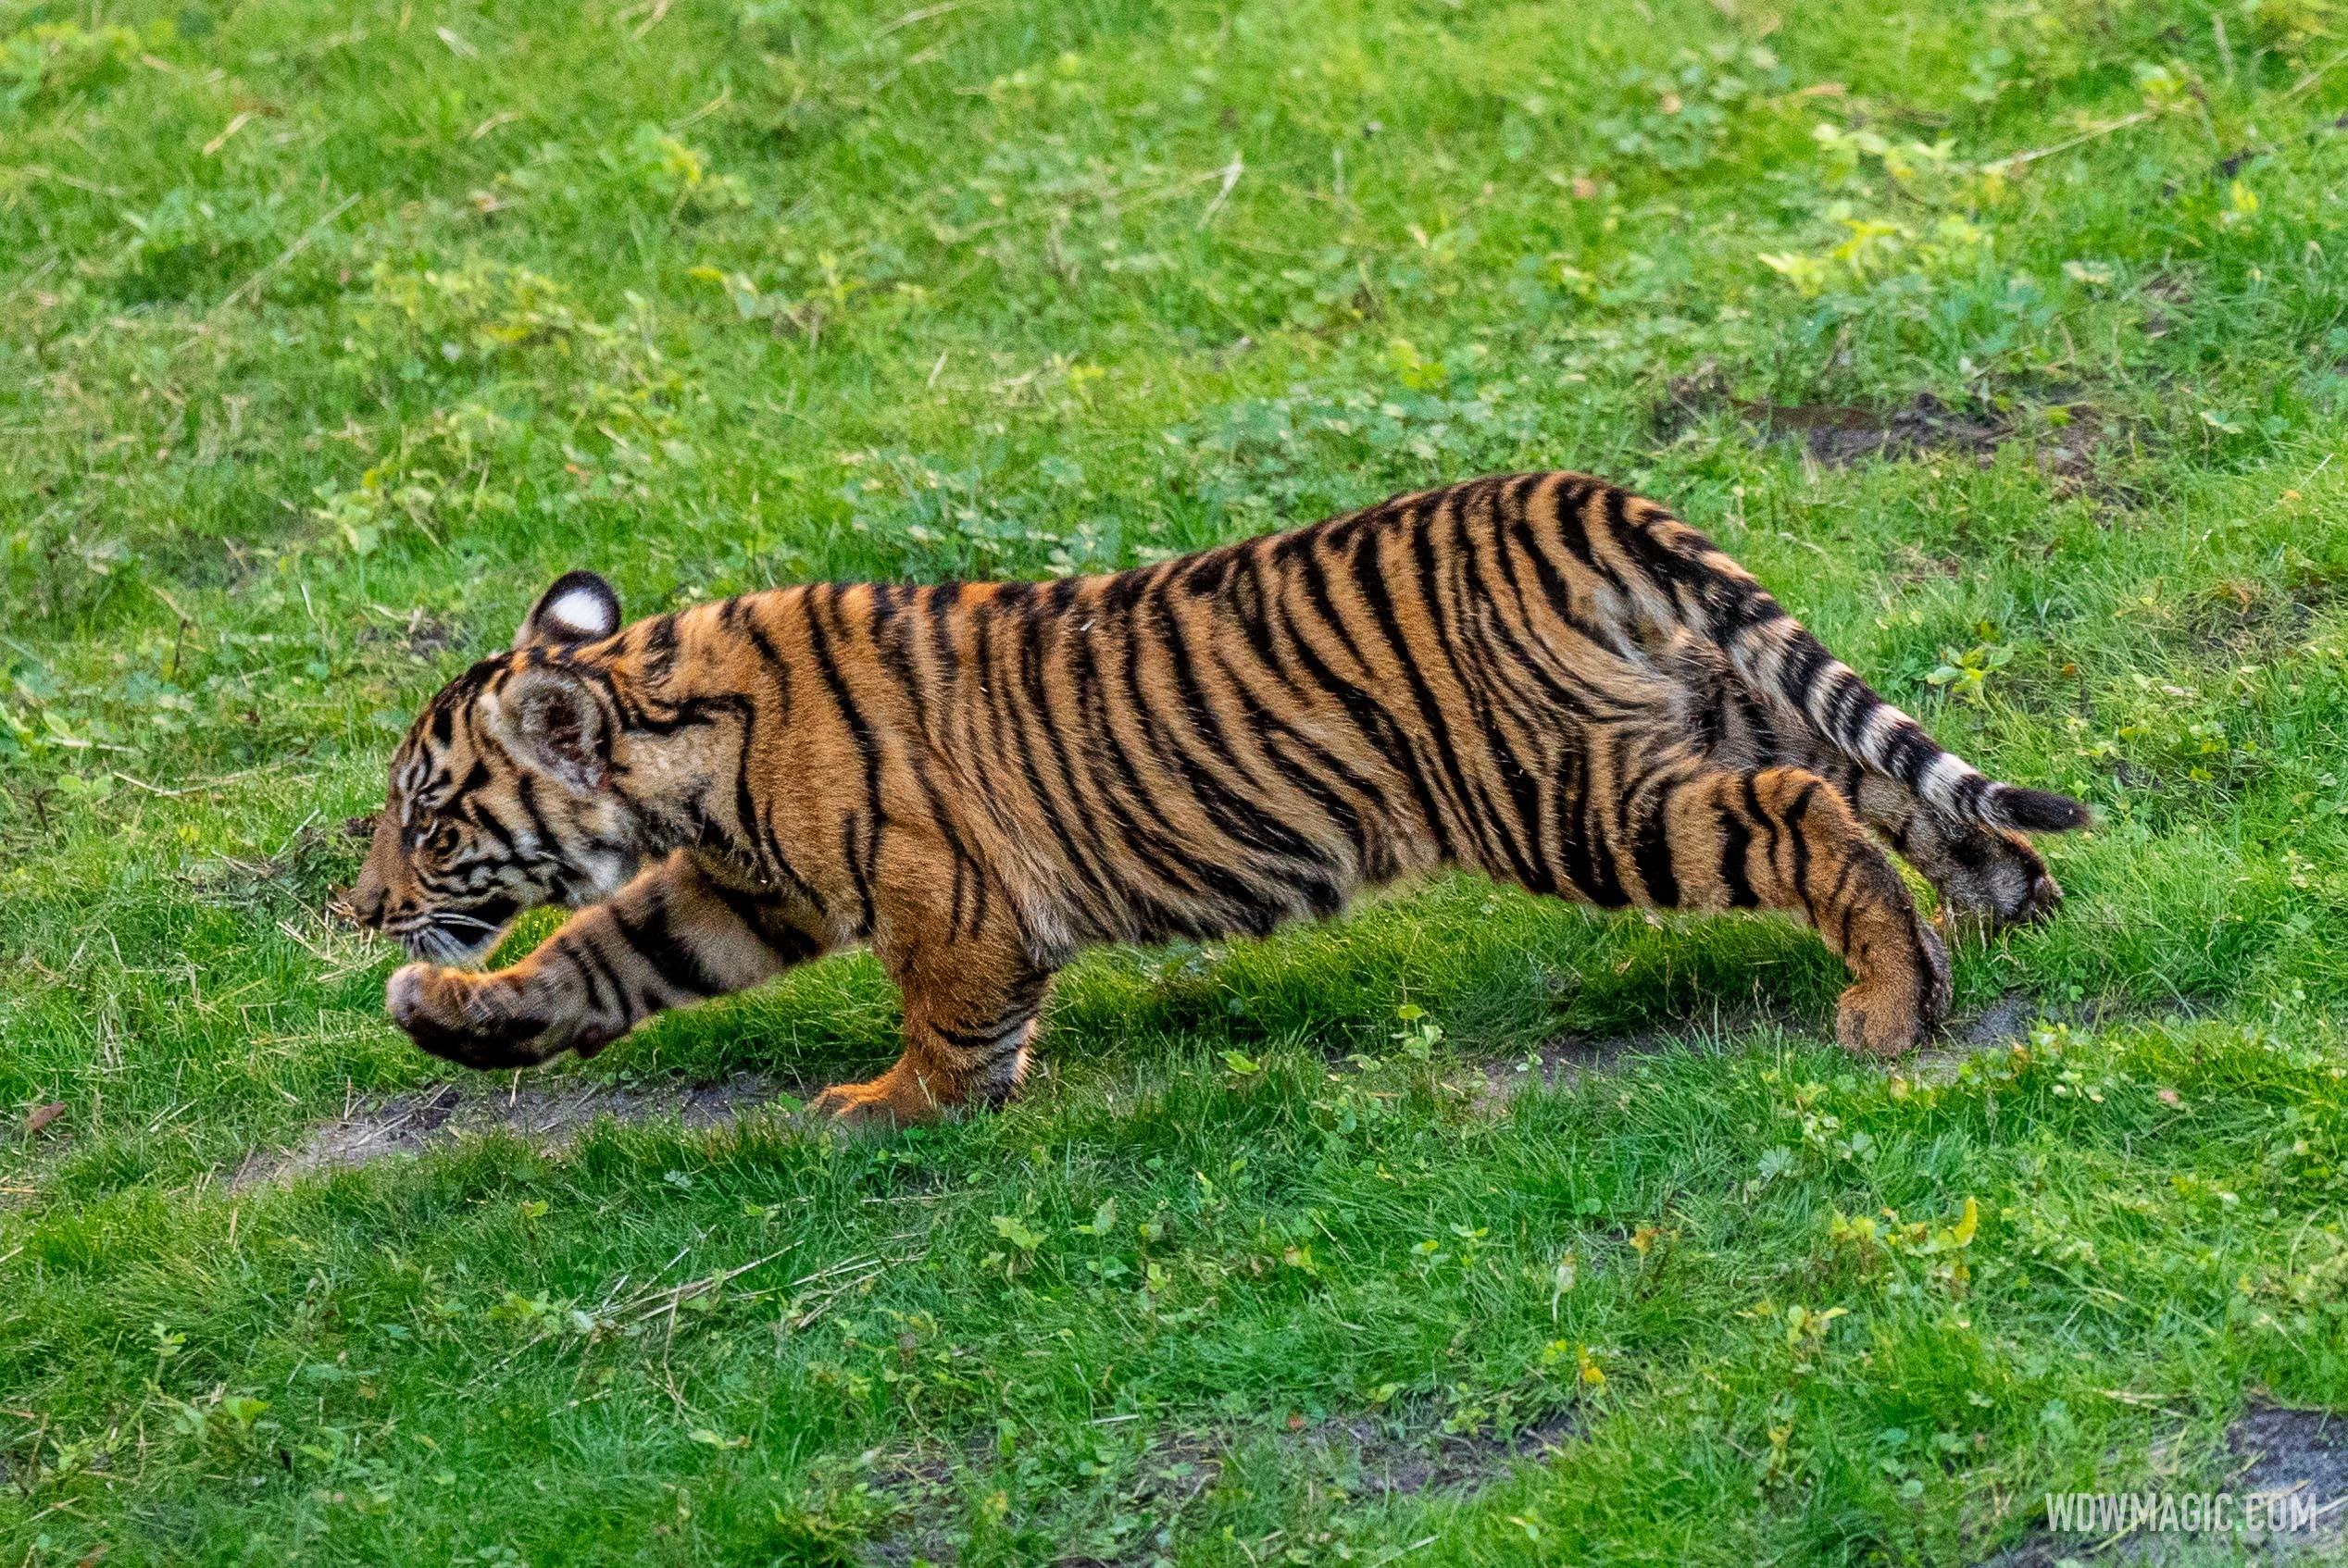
[(1365, 1455), (2295, 1453), (2233, 163), (2005, 1023), (551, 1114), (2272, 1453), (1570, 1058), (1839, 435), (2242, 618), (1392, 1464), (304, 864)]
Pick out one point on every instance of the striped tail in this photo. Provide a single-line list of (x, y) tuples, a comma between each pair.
[(1708, 592)]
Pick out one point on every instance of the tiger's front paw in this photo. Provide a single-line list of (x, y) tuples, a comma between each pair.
[(463, 1018), (895, 1099)]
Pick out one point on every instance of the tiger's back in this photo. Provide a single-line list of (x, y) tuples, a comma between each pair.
[(1539, 676)]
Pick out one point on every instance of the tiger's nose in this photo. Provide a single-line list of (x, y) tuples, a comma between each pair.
[(360, 904)]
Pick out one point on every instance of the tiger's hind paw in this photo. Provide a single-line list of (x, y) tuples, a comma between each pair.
[(1886, 1017)]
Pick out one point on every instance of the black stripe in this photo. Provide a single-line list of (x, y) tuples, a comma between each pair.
[(1583, 863), (1754, 811), (1498, 823), (894, 612), (1164, 856), (1801, 839), (1251, 822), (526, 793), (852, 852), (597, 1002), (1804, 660), (764, 920), (1040, 713), (490, 823), (677, 962), (660, 646), (1651, 853), (1236, 819), (1268, 727), (1368, 577), (768, 852), (874, 813), (1006, 736), (1736, 841), (1908, 752), (625, 1005), (1572, 528)]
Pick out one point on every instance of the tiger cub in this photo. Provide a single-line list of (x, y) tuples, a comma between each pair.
[(1537, 677)]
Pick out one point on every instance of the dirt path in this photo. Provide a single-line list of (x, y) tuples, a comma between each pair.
[(2272, 1453), (552, 1112)]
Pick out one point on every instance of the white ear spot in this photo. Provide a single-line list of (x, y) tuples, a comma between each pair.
[(580, 610)]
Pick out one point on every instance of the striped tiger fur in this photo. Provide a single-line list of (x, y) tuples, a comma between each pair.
[(1539, 676)]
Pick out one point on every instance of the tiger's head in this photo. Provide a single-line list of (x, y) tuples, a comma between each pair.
[(499, 798)]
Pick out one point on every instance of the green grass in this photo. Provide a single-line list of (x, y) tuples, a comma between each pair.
[(329, 334)]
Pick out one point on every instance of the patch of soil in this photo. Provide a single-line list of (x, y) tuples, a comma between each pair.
[(2239, 619), (1404, 1465), (1839, 435), (1570, 1058), (551, 1114), (2285, 1452), (2234, 162), (301, 869), (1173, 1471), (1371, 1457), (2003, 1023), (1842, 435), (2272, 1453)]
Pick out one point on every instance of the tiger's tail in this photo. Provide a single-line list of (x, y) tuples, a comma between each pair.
[(1699, 585)]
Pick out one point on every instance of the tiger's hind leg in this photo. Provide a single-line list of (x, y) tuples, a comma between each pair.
[(1987, 877), (1786, 839)]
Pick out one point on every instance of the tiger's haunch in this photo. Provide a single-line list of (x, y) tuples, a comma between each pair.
[(1539, 676)]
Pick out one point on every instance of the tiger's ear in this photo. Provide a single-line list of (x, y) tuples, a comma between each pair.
[(580, 607), (548, 719)]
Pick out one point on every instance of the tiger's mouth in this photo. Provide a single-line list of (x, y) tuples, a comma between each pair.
[(458, 938)]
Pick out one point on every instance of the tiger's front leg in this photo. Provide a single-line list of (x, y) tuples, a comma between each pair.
[(674, 936), (971, 999)]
